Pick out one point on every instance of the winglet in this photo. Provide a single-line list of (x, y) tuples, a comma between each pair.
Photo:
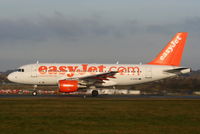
[(172, 53)]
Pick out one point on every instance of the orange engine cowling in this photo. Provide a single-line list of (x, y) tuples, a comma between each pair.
[(68, 86)]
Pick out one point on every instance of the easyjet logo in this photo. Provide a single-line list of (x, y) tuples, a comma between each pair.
[(171, 47), (70, 71)]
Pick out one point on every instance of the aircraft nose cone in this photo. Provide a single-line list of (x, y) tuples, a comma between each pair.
[(11, 77)]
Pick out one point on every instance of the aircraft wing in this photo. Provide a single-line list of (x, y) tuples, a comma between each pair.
[(98, 78)]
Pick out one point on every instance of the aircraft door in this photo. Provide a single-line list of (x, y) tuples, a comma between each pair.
[(148, 73), (34, 71)]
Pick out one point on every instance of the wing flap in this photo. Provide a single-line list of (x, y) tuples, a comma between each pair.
[(101, 76)]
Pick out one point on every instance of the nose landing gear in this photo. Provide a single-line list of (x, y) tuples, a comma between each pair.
[(34, 93)]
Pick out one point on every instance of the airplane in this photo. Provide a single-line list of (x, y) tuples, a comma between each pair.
[(74, 77)]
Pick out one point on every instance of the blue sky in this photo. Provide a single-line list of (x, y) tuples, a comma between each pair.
[(100, 31)]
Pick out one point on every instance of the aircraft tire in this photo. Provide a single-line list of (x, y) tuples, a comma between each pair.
[(34, 93), (95, 93)]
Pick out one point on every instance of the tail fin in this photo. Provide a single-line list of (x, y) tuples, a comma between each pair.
[(172, 53)]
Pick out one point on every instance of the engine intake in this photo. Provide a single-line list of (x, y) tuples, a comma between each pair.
[(68, 86)]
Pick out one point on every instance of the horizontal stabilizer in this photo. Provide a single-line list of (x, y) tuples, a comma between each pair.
[(178, 70)]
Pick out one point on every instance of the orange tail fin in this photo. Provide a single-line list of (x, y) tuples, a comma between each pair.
[(172, 53)]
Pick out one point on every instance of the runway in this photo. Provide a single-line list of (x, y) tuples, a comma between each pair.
[(105, 96)]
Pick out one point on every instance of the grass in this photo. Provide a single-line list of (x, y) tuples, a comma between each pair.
[(98, 116)]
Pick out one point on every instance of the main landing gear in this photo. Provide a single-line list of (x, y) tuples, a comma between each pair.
[(34, 93), (94, 90), (95, 93)]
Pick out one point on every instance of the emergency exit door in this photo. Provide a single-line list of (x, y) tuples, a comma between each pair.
[(34, 71), (148, 72)]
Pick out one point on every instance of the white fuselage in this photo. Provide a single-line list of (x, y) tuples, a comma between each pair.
[(128, 74)]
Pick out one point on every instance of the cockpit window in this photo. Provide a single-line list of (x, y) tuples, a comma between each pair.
[(19, 70)]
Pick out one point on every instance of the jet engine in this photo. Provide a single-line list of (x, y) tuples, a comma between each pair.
[(68, 86)]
